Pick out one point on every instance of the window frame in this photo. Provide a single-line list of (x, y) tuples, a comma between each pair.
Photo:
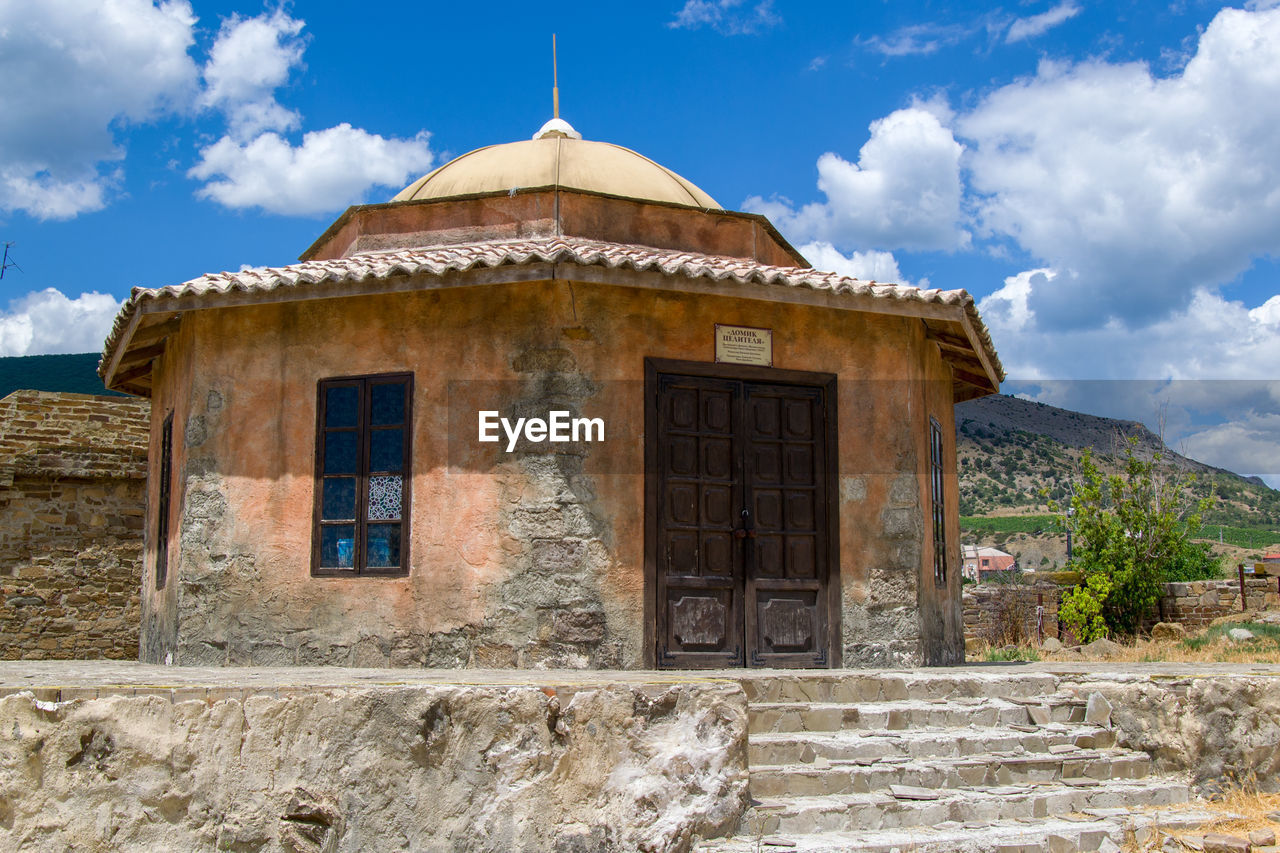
[(937, 493), (363, 429), (164, 499)]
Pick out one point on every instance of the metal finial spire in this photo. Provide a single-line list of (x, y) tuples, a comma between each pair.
[(556, 127)]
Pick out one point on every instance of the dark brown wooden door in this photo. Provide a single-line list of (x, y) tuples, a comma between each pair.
[(742, 549)]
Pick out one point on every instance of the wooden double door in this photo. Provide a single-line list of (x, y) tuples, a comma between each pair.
[(742, 553)]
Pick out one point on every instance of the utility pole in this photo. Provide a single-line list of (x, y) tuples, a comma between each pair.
[(7, 261)]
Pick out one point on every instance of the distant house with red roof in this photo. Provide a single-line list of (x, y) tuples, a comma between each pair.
[(979, 564)]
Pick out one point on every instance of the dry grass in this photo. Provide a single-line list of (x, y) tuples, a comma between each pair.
[(1241, 811), (1211, 646)]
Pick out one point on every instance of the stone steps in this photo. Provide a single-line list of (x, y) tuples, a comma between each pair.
[(804, 747), (879, 810), (908, 714), (1050, 835), (938, 761), (853, 687), (1080, 768)]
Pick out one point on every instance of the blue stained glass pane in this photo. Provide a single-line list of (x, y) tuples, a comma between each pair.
[(341, 406), (339, 500), (386, 450), (338, 546), (387, 402), (339, 453), (384, 546)]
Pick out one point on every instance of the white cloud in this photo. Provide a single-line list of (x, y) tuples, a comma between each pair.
[(253, 165), (1138, 190), (1007, 307), (1249, 445), (329, 170), (46, 321), (903, 193), (1212, 338), (916, 39), (1268, 314), (1034, 25), (867, 266), (74, 72), (729, 17), (45, 197), (250, 59)]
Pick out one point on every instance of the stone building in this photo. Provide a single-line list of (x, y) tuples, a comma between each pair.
[(72, 476), (357, 459)]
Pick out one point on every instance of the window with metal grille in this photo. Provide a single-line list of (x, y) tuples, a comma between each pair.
[(163, 500), (362, 478), (939, 513)]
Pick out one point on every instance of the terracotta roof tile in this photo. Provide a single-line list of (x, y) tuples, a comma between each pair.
[(441, 260)]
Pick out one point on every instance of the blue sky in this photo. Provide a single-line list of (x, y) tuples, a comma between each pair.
[(1103, 178)]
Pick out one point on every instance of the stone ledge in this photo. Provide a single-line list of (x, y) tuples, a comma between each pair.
[(353, 758)]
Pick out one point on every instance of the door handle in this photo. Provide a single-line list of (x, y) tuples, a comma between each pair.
[(746, 531)]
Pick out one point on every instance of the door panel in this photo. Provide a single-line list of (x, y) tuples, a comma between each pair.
[(699, 573), (742, 563), (786, 596)]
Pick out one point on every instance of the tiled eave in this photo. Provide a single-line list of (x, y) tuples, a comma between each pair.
[(152, 314)]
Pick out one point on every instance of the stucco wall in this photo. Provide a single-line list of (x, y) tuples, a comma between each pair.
[(941, 613), (171, 394), (520, 560), (72, 469)]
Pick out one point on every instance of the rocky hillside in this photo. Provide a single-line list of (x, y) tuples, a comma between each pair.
[(1015, 456)]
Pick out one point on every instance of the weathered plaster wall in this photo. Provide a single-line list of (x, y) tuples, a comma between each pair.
[(171, 394), (72, 469), (428, 768), (521, 560), (940, 612)]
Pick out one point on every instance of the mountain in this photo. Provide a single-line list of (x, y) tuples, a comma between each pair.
[(77, 373), (1014, 456)]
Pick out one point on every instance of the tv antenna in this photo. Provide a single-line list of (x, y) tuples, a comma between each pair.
[(8, 262)]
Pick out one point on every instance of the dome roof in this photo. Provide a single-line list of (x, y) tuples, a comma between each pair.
[(558, 156)]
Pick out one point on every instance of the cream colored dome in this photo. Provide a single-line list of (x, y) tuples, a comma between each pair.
[(558, 157)]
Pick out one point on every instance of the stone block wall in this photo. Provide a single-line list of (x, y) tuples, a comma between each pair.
[(72, 478), (989, 607), (1001, 613), (1197, 603)]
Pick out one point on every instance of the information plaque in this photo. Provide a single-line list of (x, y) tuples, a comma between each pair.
[(744, 345)]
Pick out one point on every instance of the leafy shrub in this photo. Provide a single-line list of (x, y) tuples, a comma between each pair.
[(1081, 608)]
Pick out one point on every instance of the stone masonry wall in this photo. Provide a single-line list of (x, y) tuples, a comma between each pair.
[(989, 608), (1197, 603), (1005, 613), (72, 474)]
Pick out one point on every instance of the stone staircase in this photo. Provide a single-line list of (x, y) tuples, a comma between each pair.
[(925, 761)]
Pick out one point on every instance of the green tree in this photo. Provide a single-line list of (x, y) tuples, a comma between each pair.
[(1134, 528)]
